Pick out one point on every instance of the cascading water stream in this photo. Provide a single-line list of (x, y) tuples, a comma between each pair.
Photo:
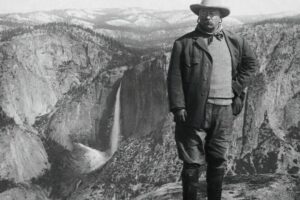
[(89, 159), (115, 133)]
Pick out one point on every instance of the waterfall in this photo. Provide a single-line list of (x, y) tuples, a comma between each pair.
[(114, 139), (88, 159)]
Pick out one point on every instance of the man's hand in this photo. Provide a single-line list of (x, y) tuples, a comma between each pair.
[(180, 116), (237, 106)]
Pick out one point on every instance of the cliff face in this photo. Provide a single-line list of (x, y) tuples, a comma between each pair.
[(40, 66), (143, 98), (268, 142), (22, 154), (58, 85)]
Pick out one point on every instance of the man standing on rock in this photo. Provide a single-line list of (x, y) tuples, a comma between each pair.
[(209, 70)]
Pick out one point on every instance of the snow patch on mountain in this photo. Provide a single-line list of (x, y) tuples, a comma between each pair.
[(179, 17), (16, 17), (119, 22), (134, 11), (94, 12), (35, 17), (82, 23), (81, 14), (145, 20), (43, 17)]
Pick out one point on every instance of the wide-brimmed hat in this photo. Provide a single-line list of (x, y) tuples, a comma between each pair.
[(211, 4)]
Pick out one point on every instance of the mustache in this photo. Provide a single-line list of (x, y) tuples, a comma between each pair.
[(210, 22)]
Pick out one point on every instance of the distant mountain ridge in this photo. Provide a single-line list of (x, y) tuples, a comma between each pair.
[(130, 18), (133, 18), (133, 26), (136, 27)]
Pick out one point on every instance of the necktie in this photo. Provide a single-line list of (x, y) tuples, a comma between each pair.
[(218, 35)]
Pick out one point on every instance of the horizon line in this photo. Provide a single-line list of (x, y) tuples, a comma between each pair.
[(294, 12)]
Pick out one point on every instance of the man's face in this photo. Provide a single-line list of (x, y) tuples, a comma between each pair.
[(209, 19)]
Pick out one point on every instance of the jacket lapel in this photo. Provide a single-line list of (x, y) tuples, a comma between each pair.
[(232, 49), (199, 41)]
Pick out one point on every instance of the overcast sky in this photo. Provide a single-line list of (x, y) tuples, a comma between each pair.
[(238, 7)]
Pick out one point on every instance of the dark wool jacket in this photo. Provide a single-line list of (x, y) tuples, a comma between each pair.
[(190, 71)]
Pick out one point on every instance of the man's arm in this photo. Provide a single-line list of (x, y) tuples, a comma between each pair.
[(175, 89), (246, 70)]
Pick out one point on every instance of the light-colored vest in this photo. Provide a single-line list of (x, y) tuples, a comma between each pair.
[(220, 86)]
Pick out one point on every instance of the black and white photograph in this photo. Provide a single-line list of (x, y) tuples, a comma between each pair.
[(149, 100)]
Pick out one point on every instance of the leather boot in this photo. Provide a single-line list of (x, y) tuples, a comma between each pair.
[(190, 181), (214, 179)]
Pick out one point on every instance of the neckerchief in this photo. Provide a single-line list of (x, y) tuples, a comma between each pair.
[(217, 33)]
